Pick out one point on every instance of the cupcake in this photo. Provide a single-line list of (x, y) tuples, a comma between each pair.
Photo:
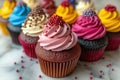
[(57, 49), (110, 17), (91, 36), (48, 6), (67, 12), (5, 12), (84, 5), (31, 29), (31, 3), (16, 19)]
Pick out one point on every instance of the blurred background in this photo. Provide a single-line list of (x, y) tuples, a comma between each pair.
[(98, 3)]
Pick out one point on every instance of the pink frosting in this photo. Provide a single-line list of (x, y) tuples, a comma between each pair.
[(57, 36), (89, 28)]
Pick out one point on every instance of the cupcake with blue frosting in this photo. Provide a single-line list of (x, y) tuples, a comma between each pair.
[(16, 19)]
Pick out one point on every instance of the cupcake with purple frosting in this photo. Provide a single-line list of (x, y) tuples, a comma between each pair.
[(91, 35)]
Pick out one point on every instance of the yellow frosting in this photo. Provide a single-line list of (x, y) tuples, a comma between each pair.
[(7, 9), (82, 6), (68, 14), (111, 20), (31, 3)]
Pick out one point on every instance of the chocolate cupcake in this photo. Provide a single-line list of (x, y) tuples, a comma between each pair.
[(16, 19), (57, 49), (48, 6), (91, 36), (32, 27)]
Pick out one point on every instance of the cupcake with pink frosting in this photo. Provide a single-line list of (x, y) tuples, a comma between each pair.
[(91, 35), (57, 49)]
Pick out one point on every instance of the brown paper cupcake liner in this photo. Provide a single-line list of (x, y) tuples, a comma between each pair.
[(58, 69)]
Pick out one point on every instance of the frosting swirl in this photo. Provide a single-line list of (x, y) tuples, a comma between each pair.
[(31, 3), (48, 6), (57, 35), (35, 22), (110, 17), (67, 12), (84, 5), (19, 14), (89, 26), (7, 8)]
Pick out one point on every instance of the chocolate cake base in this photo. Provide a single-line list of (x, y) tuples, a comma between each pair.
[(58, 64)]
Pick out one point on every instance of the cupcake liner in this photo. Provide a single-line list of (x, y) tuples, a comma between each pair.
[(113, 42), (29, 49), (58, 69), (92, 55), (14, 36), (93, 44), (3, 28)]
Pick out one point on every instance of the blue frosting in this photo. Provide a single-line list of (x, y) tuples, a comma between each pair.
[(19, 15)]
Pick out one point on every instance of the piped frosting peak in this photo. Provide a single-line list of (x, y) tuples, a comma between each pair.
[(110, 8), (56, 20), (65, 3), (89, 12)]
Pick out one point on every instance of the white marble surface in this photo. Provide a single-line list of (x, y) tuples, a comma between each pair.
[(108, 68)]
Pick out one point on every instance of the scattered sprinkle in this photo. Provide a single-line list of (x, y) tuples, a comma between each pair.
[(100, 76), (31, 59), (112, 69), (37, 62), (22, 67), (15, 63), (20, 77), (101, 71), (17, 71), (22, 57), (76, 77), (22, 61), (40, 76)]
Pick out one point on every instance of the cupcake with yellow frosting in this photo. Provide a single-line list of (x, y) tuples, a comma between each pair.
[(84, 5), (5, 12), (31, 3), (31, 29), (67, 12), (111, 19)]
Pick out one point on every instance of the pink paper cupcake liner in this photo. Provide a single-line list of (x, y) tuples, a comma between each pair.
[(29, 49), (92, 55), (113, 43)]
